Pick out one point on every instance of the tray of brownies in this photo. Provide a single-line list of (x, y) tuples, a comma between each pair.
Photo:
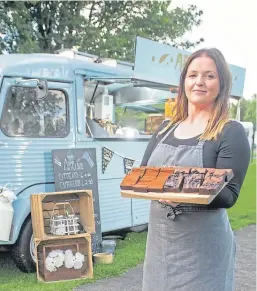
[(177, 184)]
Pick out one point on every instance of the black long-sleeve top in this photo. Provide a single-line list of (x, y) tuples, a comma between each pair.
[(230, 150)]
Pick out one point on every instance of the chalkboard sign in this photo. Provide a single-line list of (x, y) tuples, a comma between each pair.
[(76, 169)]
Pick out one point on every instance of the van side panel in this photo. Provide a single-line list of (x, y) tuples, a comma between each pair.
[(26, 163), (118, 212)]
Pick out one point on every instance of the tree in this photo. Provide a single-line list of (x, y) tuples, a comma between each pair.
[(105, 28), (40, 26), (247, 113), (247, 110), (250, 111), (119, 22), (250, 115), (232, 111), (16, 33)]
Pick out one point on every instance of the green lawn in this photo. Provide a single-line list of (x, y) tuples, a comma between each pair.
[(129, 252), (244, 212)]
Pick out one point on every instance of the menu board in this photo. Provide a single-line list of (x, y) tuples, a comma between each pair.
[(76, 169)]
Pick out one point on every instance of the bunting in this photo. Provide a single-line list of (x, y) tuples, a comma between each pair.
[(128, 164), (107, 155)]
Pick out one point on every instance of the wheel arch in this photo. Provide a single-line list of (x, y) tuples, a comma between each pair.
[(22, 209)]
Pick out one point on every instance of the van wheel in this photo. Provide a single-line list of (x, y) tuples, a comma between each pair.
[(23, 252)]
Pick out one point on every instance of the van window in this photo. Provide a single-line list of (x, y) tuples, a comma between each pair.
[(24, 115)]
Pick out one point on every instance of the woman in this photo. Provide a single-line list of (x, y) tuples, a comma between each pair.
[(192, 247)]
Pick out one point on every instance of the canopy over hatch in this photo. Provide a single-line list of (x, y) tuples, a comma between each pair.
[(161, 63), (128, 91)]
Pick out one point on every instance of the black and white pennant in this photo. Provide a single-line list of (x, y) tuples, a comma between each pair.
[(128, 164), (107, 155)]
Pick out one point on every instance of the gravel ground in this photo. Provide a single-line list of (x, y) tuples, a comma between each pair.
[(245, 269)]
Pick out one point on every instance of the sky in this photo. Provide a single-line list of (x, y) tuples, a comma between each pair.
[(230, 26)]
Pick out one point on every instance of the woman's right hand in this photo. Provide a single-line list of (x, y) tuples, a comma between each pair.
[(173, 204)]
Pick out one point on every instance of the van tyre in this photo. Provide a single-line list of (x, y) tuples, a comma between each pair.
[(21, 251)]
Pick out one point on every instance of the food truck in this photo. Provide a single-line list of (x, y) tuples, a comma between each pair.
[(72, 100)]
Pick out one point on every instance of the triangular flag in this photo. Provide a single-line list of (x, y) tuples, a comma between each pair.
[(106, 158), (128, 164)]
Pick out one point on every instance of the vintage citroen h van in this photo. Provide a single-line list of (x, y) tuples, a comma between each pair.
[(50, 102)]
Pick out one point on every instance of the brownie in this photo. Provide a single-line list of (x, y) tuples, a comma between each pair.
[(217, 179), (152, 172), (129, 180), (192, 183), (132, 178), (210, 173), (141, 169), (213, 182), (157, 185), (220, 172), (167, 170), (194, 180), (174, 183), (227, 173), (198, 171), (182, 170), (216, 173), (143, 182), (210, 188), (142, 187)]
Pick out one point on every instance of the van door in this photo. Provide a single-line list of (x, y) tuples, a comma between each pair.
[(30, 129)]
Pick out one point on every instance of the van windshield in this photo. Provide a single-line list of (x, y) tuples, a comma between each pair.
[(25, 116)]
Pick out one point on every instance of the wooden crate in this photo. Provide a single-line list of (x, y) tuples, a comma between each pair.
[(152, 122), (81, 243), (43, 204)]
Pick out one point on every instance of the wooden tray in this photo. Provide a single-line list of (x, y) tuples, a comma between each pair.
[(192, 198)]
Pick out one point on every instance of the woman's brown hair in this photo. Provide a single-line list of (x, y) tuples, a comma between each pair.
[(220, 112)]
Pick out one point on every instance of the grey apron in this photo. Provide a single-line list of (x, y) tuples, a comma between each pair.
[(189, 248)]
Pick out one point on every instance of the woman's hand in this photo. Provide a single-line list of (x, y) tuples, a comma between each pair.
[(169, 202)]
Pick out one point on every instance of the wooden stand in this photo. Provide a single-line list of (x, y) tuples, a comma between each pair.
[(80, 243), (43, 204)]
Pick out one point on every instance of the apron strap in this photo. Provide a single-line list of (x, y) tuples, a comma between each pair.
[(201, 143), (169, 131)]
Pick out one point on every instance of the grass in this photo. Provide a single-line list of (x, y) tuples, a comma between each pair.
[(129, 252), (244, 212)]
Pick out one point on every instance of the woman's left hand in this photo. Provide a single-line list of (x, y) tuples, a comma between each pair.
[(169, 202)]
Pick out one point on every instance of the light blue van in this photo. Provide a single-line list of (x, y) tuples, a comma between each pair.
[(48, 101)]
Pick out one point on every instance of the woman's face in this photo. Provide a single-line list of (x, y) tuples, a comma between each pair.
[(202, 81)]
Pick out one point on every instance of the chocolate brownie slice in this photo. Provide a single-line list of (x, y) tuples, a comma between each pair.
[(132, 178), (157, 185), (174, 183), (192, 183), (210, 188), (199, 171), (213, 182), (182, 170), (149, 176)]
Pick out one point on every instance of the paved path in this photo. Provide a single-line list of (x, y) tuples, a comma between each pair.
[(245, 269)]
